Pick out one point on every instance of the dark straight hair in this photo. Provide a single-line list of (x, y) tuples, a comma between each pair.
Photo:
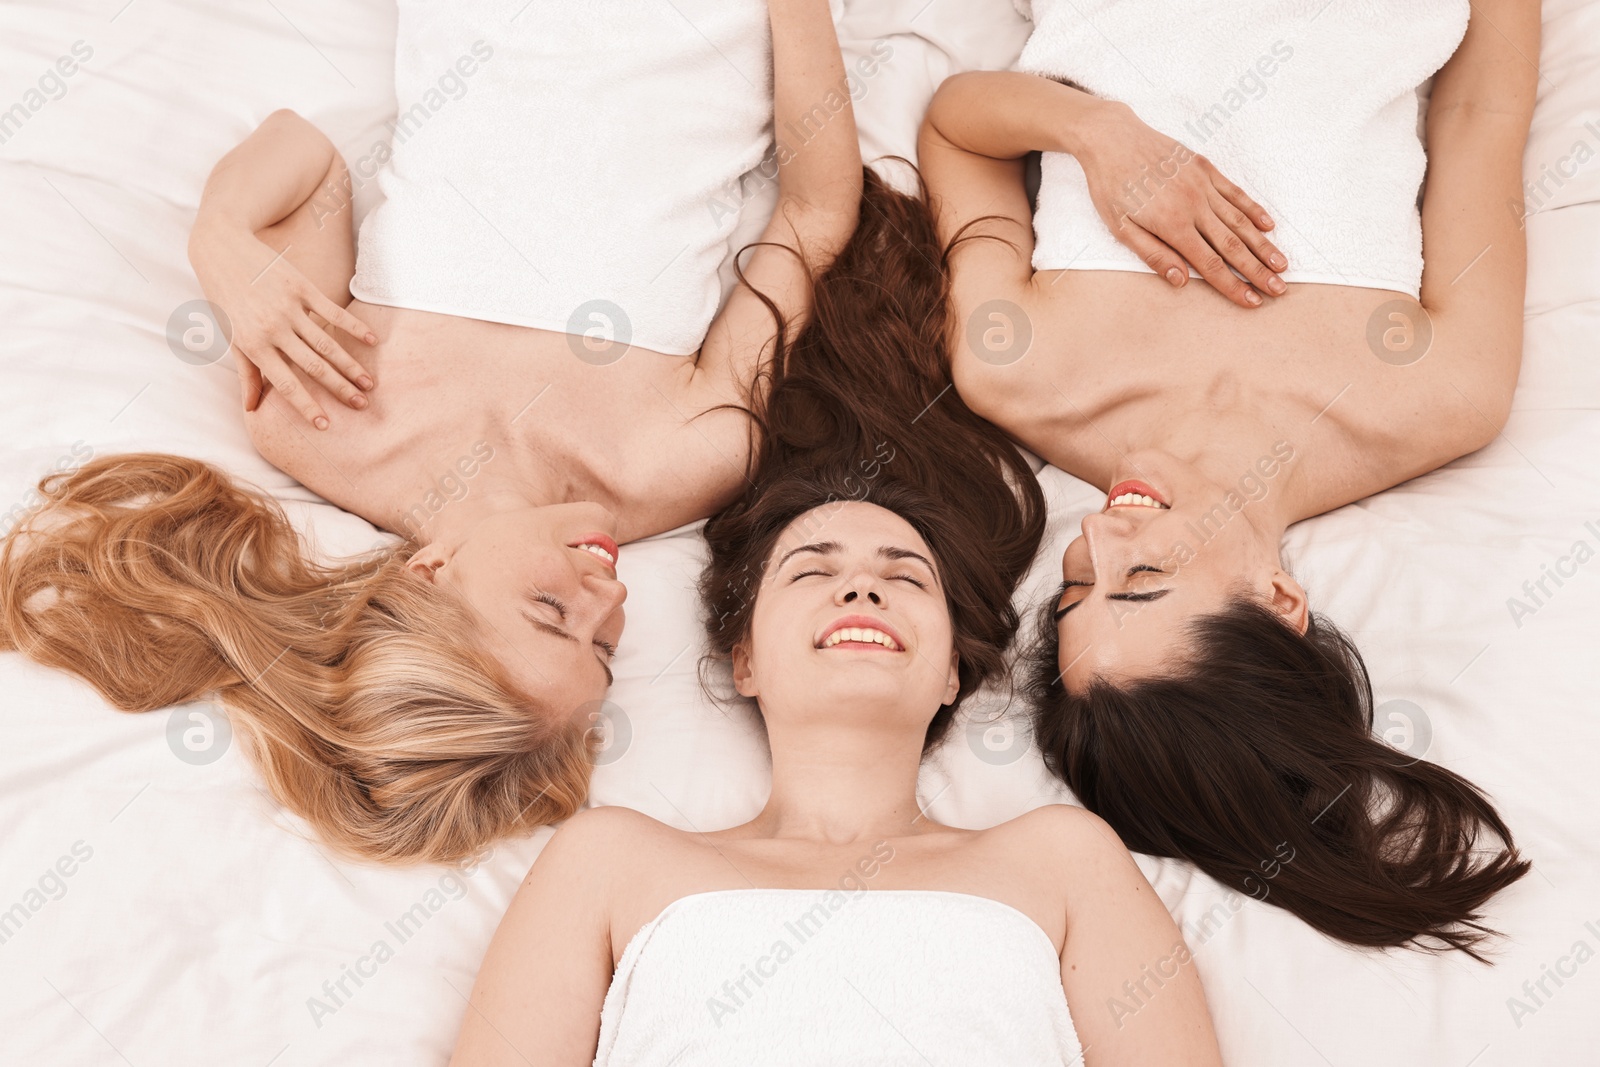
[(1256, 762), (861, 408)]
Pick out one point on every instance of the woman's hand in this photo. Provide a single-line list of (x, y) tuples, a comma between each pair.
[(270, 306), (1173, 208)]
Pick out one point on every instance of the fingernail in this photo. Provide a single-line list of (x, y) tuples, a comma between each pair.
[(364, 381), (322, 423), (1174, 275), (1266, 220), (1278, 262), (372, 338), (358, 401), (1276, 285), (1252, 298)]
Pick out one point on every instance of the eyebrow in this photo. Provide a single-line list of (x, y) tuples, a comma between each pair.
[(906, 553), (556, 631), (1131, 598), (822, 548), (1156, 594), (828, 548)]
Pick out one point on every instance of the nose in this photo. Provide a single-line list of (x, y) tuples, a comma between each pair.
[(1101, 532), (605, 594), (1106, 526), (861, 584), (1103, 523)]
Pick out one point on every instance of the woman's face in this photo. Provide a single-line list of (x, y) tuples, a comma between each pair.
[(850, 620), (1140, 573), (542, 582)]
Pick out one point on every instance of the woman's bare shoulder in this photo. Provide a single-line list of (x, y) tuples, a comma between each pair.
[(615, 839), (1059, 835), (614, 824)]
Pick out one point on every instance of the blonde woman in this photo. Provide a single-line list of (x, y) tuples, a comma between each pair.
[(417, 703)]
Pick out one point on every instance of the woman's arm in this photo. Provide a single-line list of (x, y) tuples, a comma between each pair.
[(976, 189), (272, 174), (1130, 980), (980, 124), (265, 177), (538, 995), (1475, 252), (818, 159)]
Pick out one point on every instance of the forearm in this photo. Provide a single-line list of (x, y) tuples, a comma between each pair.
[(1470, 202), (1494, 70), (1006, 115), (818, 153), (264, 179)]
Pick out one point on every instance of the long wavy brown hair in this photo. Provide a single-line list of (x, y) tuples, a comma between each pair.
[(863, 410), (360, 691)]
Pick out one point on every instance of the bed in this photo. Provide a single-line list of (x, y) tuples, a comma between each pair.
[(156, 907)]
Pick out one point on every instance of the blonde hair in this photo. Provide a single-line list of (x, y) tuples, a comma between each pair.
[(361, 695)]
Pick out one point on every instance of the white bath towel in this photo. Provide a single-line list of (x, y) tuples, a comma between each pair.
[(858, 976), (570, 165), (1309, 105)]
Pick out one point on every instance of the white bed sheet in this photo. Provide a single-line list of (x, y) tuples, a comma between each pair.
[(199, 924)]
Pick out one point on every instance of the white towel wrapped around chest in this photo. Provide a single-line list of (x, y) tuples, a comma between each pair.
[(568, 164), (1309, 105), (804, 977)]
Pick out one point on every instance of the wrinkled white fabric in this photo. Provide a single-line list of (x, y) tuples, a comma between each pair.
[(1310, 106), (1423, 575), (800, 976), (584, 177)]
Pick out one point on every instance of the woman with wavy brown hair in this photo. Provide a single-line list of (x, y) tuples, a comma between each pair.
[(858, 592), (1183, 687), (422, 701)]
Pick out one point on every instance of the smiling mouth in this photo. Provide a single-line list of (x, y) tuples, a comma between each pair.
[(864, 636), (1132, 494), (599, 546), (856, 632)]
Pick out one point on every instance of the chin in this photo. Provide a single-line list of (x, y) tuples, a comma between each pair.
[(866, 684)]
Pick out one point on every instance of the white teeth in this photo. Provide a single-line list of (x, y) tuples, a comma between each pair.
[(1136, 500), (861, 634), (596, 550)]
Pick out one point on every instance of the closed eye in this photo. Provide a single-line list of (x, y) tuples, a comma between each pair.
[(1140, 598), (1062, 591), (808, 574), (1127, 598), (546, 598), (919, 583)]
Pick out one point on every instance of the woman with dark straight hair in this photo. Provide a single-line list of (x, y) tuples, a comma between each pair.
[(1182, 686), (1256, 761)]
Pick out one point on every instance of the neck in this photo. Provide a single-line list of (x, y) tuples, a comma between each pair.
[(487, 494), (449, 470), (1231, 449), (840, 784)]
